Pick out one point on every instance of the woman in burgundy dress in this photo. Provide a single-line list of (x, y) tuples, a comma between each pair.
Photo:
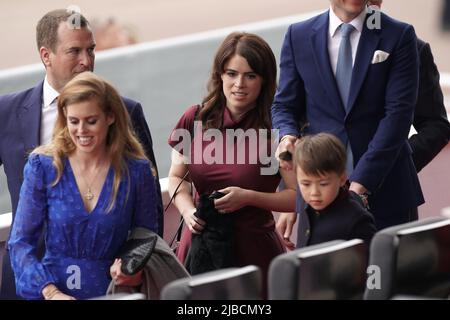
[(230, 150)]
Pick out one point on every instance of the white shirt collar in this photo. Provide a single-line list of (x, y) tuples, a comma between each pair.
[(49, 94), (335, 22)]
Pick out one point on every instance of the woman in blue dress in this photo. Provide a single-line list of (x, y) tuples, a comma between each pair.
[(89, 186)]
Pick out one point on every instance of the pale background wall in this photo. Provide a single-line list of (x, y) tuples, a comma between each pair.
[(158, 19)]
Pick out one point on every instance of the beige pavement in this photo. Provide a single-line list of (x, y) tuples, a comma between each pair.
[(157, 19)]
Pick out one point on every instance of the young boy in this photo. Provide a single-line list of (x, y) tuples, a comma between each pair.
[(332, 212)]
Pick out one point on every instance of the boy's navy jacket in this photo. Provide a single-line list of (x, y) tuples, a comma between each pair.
[(344, 219)]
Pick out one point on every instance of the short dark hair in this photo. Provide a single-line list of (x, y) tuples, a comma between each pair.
[(319, 154), (47, 27)]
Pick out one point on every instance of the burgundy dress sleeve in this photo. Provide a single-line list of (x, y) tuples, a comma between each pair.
[(184, 127)]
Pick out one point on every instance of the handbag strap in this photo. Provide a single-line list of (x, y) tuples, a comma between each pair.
[(177, 234)]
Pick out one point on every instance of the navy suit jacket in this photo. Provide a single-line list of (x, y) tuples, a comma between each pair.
[(430, 116), (381, 104), (20, 119)]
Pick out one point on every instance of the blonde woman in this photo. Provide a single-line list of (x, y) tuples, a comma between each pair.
[(90, 185)]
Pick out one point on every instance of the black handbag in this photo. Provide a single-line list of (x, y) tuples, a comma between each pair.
[(135, 253), (213, 248)]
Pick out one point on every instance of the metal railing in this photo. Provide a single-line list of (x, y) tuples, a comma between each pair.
[(171, 219)]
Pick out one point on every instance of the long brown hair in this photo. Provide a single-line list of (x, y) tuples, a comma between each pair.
[(121, 143), (261, 59)]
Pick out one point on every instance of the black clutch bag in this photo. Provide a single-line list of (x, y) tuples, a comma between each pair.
[(135, 253)]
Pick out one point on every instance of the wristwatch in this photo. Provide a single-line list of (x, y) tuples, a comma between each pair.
[(365, 199)]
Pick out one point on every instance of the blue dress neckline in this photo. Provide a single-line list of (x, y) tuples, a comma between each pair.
[(77, 188)]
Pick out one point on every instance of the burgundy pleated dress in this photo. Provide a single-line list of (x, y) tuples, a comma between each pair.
[(255, 238)]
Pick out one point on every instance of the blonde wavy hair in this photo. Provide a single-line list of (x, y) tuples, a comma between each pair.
[(121, 142)]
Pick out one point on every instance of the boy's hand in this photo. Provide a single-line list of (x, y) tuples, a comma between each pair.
[(284, 226)]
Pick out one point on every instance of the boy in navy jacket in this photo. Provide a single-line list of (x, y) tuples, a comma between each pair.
[(331, 211)]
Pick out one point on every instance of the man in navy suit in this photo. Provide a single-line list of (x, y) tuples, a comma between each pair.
[(66, 47), (371, 111), (430, 117)]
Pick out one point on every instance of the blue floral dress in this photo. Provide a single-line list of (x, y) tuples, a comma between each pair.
[(79, 246)]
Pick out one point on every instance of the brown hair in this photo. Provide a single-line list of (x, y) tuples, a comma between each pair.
[(121, 144), (261, 59), (319, 154), (47, 27)]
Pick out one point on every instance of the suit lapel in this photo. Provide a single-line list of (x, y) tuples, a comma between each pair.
[(319, 42), (29, 116), (367, 44)]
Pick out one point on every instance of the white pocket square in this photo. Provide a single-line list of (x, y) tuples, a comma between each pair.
[(379, 56)]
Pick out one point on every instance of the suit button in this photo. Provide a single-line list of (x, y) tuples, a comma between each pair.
[(307, 232)]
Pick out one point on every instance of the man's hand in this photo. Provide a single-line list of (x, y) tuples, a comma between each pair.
[(287, 143), (357, 188), (360, 190)]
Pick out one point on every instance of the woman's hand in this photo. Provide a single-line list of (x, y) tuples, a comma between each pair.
[(122, 279), (195, 224), (234, 199), (62, 296), (51, 292)]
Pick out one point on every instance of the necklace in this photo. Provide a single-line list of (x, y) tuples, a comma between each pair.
[(89, 195)]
